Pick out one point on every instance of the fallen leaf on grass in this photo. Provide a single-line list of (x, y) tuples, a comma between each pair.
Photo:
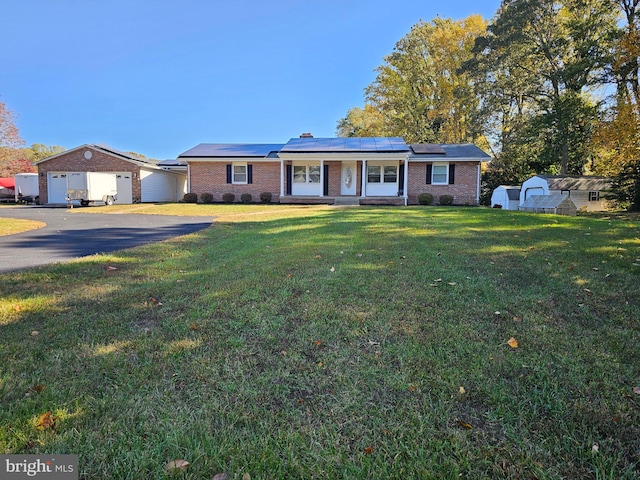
[(462, 391), (466, 425), (178, 465), (35, 333), (38, 388), (368, 450), (111, 267), (155, 300), (193, 326), (246, 476), (332, 269), (636, 390), (221, 476), (46, 421), (513, 343)]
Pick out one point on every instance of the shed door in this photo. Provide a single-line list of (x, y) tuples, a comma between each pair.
[(57, 187), (123, 185)]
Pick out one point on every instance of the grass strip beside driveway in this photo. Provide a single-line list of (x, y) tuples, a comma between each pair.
[(336, 343), (11, 226)]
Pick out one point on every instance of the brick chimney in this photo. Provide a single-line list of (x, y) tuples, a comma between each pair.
[(306, 135)]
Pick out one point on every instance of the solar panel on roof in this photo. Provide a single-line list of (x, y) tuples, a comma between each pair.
[(348, 144), (427, 148)]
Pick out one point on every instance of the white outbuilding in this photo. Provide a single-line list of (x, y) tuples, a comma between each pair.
[(506, 197), (586, 192)]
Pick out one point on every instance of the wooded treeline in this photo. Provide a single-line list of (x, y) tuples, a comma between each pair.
[(14, 156), (546, 86)]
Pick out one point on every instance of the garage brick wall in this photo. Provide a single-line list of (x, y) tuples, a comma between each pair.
[(211, 177), (464, 190), (74, 161)]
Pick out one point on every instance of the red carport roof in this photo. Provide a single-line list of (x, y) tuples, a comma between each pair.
[(7, 183)]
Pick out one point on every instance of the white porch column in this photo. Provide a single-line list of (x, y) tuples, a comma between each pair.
[(405, 181), (363, 180), (478, 184), (322, 178), (282, 178)]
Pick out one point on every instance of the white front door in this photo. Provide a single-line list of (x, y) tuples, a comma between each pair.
[(348, 180)]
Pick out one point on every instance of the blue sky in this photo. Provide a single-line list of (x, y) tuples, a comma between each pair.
[(158, 77)]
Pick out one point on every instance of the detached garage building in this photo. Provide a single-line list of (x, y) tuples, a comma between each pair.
[(138, 179)]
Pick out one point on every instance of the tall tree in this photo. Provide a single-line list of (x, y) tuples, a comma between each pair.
[(10, 142), (420, 92), (547, 54), (9, 135), (362, 122)]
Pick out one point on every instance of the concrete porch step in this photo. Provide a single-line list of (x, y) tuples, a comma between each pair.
[(341, 201)]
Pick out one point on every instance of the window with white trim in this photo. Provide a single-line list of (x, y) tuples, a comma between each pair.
[(390, 173), (440, 174), (239, 173), (373, 173), (306, 174), (314, 173)]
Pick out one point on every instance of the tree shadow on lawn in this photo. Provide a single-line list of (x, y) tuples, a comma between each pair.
[(241, 324)]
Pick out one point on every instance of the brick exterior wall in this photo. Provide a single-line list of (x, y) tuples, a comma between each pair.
[(211, 177), (74, 161), (464, 190)]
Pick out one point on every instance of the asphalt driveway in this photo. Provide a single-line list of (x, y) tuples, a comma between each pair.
[(69, 234)]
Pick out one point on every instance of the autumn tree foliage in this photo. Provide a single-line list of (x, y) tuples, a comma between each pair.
[(10, 142), (533, 86), (420, 92)]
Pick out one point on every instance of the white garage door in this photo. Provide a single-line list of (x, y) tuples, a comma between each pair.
[(57, 187), (125, 192)]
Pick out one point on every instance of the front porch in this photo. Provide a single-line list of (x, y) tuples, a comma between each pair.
[(341, 200)]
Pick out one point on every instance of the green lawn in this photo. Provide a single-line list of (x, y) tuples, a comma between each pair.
[(338, 344), (11, 226)]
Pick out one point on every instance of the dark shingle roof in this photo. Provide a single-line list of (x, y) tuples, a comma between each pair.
[(449, 151), (576, 182)]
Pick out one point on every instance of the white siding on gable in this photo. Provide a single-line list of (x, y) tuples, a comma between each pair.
[(160, 186)]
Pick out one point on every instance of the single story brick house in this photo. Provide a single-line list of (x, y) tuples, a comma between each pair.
[(138, 179), (371, 170)]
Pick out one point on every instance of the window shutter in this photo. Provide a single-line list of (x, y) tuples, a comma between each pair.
[(452, 174), (289, 173), (401, 180), (325, 186), (249, 173), (429, 172), (228, 173)]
